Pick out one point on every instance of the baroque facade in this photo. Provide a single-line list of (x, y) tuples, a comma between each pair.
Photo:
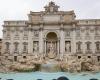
[(52, 34)]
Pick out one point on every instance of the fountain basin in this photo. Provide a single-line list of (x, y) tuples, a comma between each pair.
[(48, 76)]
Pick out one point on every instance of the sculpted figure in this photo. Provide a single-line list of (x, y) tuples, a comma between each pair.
[(68, 46)]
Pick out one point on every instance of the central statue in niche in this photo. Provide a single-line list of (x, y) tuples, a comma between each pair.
[(51, 45), (51, 48)]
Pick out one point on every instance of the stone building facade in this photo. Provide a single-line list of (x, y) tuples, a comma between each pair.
[(52, 34)]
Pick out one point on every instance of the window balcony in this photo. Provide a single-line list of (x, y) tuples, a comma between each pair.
[(78, 37), (88, 51), (79, 51), (25, 51), (16, 52), (87, 37)]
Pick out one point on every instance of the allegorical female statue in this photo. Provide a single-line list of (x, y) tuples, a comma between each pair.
[(67, 46)]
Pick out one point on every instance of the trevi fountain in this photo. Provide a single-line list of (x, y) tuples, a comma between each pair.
[(50, 45)]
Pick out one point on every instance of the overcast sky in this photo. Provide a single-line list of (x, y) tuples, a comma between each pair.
[(18, 9)]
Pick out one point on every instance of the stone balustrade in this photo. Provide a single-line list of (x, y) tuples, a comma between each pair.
[(89, 22), (15, 23)]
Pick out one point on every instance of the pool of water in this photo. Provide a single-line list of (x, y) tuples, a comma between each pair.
[(49, 76)]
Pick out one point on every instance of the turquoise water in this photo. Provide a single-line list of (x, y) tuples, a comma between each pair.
[(48, 76)]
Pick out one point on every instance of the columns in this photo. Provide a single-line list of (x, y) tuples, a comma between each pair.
[(41, 39), (73, 41), (62, 41), (45, 46), (30, 42), (58, 46)]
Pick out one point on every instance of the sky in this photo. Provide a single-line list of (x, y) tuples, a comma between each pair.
[(18, 9)]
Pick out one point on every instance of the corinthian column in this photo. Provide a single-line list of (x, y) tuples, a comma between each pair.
[(62, 41), (41, 39), (30, 42)]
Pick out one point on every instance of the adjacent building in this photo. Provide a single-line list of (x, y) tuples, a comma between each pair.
[(52, 34)]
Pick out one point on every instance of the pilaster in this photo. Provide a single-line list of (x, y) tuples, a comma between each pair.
[(41, 48), (30, 42), (73, 41), (62, 41)]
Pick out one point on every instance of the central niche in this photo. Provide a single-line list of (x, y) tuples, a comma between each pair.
[(51, 45)]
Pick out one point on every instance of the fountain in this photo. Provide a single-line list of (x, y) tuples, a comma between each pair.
[(50, 69), (50, 66)]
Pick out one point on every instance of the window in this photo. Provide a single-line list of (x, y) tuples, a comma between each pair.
[(25, 32), (88, 44), (87, 31), (97, 46), (98, 57), (15, 58), (7, 45), (78, 46), (16, 31), (8, 32), (16, 46), (25, 44)]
